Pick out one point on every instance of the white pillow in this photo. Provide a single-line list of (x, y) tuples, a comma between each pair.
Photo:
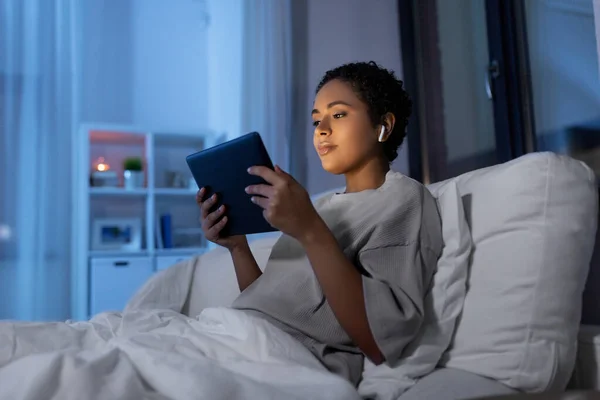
[(214, 282), (533, 223), (443, 305)]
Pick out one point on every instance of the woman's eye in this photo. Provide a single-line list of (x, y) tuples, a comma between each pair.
[(335, 116)]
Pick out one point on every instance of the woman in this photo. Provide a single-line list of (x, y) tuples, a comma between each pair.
[(349, 274)]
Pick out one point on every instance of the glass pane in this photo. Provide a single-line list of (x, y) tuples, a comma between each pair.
[(467, 110), (563, 58)]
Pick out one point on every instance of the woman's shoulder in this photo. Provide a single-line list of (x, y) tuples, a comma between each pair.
[(404, 207), (398, 195), (322, 199), (400, 191)]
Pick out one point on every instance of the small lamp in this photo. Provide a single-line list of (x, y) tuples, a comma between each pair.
[(101, 165), (102, 175)]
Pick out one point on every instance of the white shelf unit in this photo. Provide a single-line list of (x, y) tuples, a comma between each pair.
[(104, 279)]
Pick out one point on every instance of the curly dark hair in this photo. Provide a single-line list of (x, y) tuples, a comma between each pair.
[(382, 92)]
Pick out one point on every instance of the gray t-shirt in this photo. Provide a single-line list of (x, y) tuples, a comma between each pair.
[(393, 236)]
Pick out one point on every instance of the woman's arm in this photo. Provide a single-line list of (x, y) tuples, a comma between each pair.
[(246, 267), (382, 311), (342, 285)]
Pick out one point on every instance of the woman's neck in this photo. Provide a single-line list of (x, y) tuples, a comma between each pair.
[(368, 176)]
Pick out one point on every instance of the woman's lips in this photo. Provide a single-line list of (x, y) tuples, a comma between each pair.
[(324, 149)]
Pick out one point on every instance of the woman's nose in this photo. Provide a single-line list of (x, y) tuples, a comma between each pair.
[(324, 129)]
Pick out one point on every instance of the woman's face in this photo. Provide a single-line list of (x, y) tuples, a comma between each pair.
[(344, 137)]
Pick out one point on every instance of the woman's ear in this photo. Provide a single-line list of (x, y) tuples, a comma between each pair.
[(386, 127)]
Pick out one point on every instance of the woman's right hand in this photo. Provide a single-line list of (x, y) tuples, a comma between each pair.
[(213, 223)]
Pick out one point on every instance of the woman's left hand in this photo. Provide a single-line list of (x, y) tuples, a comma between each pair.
[(286, 204)]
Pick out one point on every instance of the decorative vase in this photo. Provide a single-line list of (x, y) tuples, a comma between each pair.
[(133, 179)]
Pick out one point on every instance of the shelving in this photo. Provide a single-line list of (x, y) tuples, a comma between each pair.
[(116, 191), (175, 192), (179, 251), (167, 190)]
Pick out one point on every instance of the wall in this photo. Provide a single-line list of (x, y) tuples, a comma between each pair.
[(224, 45), (341, 31), (106, 66), (144, 63), (170, 74)]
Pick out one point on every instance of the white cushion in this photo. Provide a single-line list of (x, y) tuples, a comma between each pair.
[(443, 305), (533, 222), (214, 282), (190, 286)]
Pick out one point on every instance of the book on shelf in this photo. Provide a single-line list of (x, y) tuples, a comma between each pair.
[(170, 237), (158, 237), (166, 230)]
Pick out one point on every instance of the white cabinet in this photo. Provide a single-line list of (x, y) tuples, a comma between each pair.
[(113, 281)]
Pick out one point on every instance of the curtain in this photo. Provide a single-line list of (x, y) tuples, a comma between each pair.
[(37, 115), (597, 23), (266, 92)]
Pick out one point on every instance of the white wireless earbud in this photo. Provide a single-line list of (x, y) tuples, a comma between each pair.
[(382, 133)]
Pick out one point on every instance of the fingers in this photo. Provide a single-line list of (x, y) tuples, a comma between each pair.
[(214, 216), (200, 195), (261, 190), (267, 174), (282, 172), (206, 205), (212, 234), (262, 202), (211, 225)]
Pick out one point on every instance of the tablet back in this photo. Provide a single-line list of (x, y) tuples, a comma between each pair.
[(222, 169)]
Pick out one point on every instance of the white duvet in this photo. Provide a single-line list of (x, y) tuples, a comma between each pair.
[(154, 352)]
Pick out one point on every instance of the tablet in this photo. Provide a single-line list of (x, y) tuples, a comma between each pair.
[(223, 169)]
